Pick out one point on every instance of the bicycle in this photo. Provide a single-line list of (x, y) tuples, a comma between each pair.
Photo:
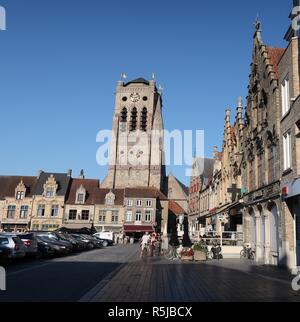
[(145, 251), (247, 253), (172, 254)]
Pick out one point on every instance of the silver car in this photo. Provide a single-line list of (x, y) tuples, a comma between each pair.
[(14, 244)]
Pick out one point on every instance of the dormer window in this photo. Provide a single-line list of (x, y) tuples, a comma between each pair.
[(20, 195), (50, 193), (20, 191), (50, 187), (110, 199), (80, 195)]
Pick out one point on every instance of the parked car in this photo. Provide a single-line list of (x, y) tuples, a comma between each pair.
[(45, 249), (29, 240), (14, 244), (4, 253), (60, 247), (96, 242), (105, 235), (89, 243), (77, 245), (105, 242)]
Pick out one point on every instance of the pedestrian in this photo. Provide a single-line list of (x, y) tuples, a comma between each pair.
[(145, 242), (153, 242)]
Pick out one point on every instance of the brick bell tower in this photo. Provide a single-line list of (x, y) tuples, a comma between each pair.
[(136, 149)]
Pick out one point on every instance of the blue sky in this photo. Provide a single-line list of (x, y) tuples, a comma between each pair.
[(60, 61)]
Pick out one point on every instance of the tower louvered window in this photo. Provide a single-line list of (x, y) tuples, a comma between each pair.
[(124, 119), (144, 119), (133, 121)]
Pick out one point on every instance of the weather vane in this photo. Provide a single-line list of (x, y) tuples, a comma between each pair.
[(123, 77), (160, 89), (257, 23)]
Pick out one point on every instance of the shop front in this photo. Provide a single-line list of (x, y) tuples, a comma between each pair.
[(137, 231)]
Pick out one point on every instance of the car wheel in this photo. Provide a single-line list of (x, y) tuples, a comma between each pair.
[(105, 243)]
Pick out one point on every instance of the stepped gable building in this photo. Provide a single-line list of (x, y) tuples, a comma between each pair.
[(261, 154), (79, 206), (223, 209), (49, 197), (16, 202), (289, 82), (202, 172)]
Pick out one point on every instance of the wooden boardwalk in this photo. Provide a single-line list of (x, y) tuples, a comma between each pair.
[(160, 280)]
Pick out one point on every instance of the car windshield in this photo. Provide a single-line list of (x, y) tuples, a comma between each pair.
[(3, 241), (44, 238), (53, 237), (17, 240), (26, 236)]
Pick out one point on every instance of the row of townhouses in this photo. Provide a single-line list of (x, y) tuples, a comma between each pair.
[(54, 200), (253, 184)]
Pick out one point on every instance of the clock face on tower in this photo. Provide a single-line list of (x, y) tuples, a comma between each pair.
[(135, 97)]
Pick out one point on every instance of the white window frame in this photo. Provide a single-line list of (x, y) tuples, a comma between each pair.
[(287, 151), (149, 215), (54, 211), (139, 203), (129, 202), (102, 216), (20, 195), (24, 212), (41, 213), (149, 203), (129, 216), (114, 216), (138, 213), (79, 200), (285, 96)]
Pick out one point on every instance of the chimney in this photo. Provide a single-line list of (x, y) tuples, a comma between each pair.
[(69, 173), (81, 174)]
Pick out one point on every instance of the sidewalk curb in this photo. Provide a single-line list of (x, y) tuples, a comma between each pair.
[(90, 295)]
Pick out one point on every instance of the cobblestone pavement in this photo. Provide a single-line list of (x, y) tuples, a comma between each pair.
[(160, 280)]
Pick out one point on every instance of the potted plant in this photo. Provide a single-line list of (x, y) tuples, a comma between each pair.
[(187, 254), (200, 252)]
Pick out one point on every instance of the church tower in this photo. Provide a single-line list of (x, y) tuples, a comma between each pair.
[(136, 148)]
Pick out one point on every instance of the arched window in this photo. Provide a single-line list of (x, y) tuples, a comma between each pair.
[(123, 119), (133, 121), (144, 119)]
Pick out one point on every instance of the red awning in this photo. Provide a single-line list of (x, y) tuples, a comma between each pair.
[(138, 229)]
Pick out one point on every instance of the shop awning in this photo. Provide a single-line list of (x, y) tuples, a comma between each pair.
[(138, 229)]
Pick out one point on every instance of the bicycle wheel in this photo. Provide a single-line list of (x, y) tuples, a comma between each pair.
[(243, 254), (252, 256), (210, 255)]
